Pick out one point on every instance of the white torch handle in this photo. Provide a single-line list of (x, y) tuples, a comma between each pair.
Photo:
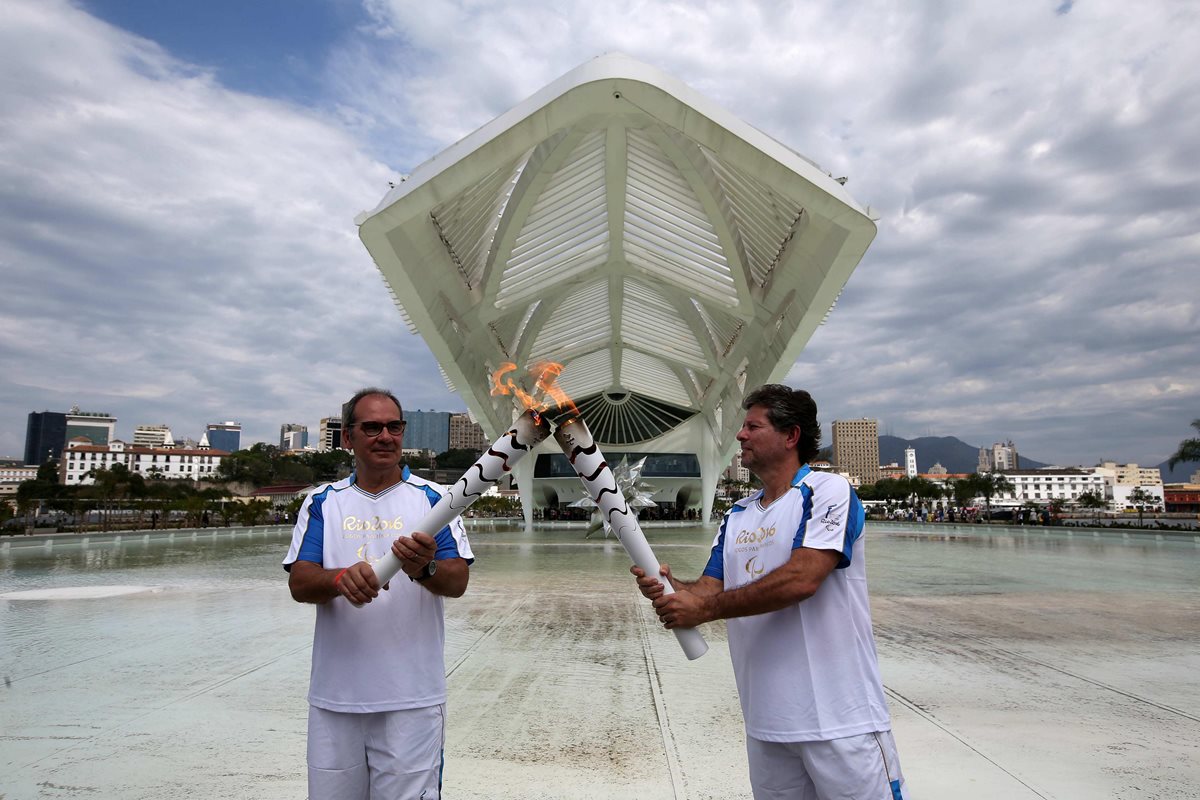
[(635, 544), (527, 431), (576, 442), (441, 515)]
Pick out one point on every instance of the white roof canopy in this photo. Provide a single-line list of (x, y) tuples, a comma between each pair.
[(667, 254)]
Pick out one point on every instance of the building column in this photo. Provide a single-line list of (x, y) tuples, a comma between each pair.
[(523, 472), (710, 473)]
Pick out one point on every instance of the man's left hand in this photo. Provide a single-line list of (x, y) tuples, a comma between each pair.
[(414, 552), (683, 609)]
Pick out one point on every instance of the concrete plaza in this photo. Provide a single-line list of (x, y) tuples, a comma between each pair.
[(1018, 664)]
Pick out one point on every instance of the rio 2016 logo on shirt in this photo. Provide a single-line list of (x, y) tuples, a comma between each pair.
[(353, 523), (755, 536)]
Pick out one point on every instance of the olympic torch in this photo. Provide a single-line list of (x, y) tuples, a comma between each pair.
[(581, 450), (527, 432)]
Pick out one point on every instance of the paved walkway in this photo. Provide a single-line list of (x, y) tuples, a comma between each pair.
[(1016, 668)]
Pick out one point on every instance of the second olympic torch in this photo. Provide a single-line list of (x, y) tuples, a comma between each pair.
[(581, 450), (527, 432)]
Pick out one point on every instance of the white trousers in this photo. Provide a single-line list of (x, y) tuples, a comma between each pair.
[(387, 755), (864, 767)]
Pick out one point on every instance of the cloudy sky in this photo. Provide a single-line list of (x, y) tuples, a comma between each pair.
[(179, 182)]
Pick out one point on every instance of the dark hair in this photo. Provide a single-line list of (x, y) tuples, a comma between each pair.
[(348, 408), (787, 407)]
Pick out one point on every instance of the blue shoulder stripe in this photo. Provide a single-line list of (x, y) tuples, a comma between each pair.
[(312, 546), (855, 522), (715, 568), (806, 514)]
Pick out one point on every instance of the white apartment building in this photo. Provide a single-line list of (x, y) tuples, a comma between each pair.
[(1114, 482), (151, 435), (80, 457), (1052, 483), (1123, 479), (14, 476)]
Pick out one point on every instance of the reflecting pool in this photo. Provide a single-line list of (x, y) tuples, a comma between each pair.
[(1019, 663)]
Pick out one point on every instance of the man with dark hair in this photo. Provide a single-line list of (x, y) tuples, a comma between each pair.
[(377, 695), (788, 570)]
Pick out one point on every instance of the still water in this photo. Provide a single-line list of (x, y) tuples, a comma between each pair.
[(1018, 663)]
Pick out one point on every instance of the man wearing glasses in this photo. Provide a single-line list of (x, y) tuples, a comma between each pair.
[(377, 695)]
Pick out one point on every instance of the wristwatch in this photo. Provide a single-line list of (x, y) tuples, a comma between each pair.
[(426, 573)]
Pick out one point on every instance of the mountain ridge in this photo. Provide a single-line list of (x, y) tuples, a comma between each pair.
[(958, 457)]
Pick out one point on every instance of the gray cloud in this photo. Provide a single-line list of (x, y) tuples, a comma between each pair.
[(180, 252)]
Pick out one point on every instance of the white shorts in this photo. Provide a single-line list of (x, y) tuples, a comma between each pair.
[(387, 755), (864, 767)]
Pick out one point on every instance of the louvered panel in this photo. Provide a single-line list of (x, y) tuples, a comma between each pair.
[(587, 374), (667, 232), (518, 332), (467, 223), (412, 328), (655, 378), (741, 375), (582, 319), (566, 231), (724, 328), (628, 417), (649, 320), (446, 379), (764, 218)]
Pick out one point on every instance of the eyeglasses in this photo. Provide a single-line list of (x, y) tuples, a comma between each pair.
[(371, 428)]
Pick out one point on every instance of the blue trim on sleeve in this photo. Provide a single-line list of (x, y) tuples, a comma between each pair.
[(312, 546), (895, 787), (715, 568), (806, 514), (855, 522)]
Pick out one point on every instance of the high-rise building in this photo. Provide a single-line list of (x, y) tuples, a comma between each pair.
[(427, 430), (467, 434), (151, 435), (331, 434), (856, 448), (225, 436), (910, 462), (1000, 457), (98, 427), (45, 435), (293, 436)]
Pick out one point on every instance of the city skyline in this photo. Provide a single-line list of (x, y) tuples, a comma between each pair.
[(180, 183), (826, 439)]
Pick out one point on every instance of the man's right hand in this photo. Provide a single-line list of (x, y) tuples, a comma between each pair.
[(357, 583), (651, 587)]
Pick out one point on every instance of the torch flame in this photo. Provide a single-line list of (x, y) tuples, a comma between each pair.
[(547, 395)]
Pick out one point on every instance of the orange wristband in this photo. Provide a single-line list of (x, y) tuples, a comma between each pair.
[(337, 579)]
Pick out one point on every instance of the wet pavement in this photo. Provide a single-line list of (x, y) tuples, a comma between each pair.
[(1018, 664)]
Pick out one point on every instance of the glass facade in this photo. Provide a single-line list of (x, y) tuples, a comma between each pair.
[(45, 435), (427, 430), (658, 465)]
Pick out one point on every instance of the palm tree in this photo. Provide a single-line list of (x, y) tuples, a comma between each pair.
[(1094, 501), (1141, 498), (990, 484), (1189, 449)]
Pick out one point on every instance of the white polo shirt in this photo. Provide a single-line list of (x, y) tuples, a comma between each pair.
[(806, 672), (339, 525)]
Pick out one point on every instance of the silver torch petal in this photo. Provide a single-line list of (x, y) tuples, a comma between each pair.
[(527, 432), (588, 462)]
